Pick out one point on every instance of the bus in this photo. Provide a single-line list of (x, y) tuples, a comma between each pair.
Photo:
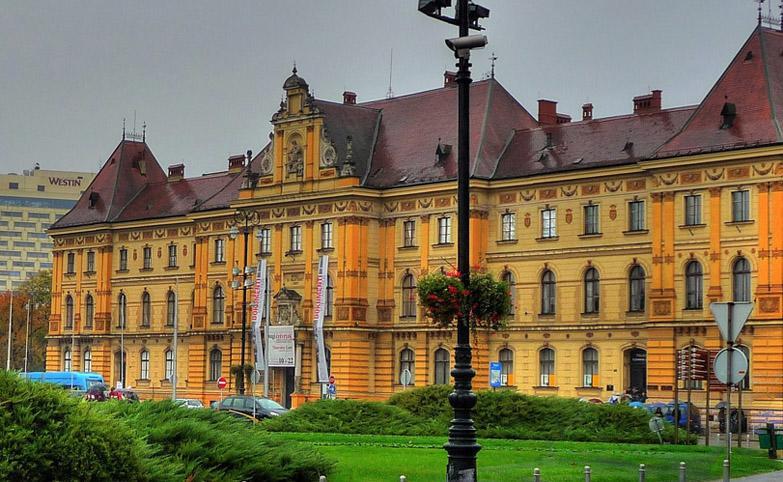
[(71, 380)]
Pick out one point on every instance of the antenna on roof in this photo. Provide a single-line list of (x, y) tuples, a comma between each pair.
[(390, 92), (492, 59), (123, 128), (144, 132)]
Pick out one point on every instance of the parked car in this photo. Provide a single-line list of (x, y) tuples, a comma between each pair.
[(258, 407), (189, 402), (684, 413)]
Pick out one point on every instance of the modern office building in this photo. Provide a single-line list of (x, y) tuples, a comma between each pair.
[(615, 234), (30, 202)]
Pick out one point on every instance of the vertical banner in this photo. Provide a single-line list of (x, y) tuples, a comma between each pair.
[(318, 319), (259, 310)]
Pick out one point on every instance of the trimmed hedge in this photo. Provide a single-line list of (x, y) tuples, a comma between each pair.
[(48, 435), (500, 414), (352, 416)]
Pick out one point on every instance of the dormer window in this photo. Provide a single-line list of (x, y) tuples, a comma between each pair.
[(92, 200), (728, 113)]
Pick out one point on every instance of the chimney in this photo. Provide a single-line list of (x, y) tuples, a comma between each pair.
[(176, 172), (449, 79), (645, 104), (587, 112), (563, 119), (349, 97), (236, 163), (547, 112)]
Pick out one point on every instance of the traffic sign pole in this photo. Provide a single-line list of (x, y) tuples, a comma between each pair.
[(730, 349)]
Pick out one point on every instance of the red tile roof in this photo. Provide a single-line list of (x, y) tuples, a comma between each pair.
[(753, 82)]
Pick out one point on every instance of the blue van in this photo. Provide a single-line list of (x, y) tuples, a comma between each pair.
[(71, 380)]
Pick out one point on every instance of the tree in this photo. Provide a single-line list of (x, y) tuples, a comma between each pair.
[(38, 291)]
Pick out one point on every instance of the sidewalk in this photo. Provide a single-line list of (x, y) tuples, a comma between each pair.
[(776, 476)]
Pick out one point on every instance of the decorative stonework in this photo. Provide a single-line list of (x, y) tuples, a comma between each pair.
[(661, 307), (328, 152), (528, 194), (591, 189), (714, 174), (613, 212), (407, 205), (550, 193), (635, 185), (569, 216), (769, 304), (507, 198), (738, 172), (527, 220), (568, 191), (613, 186), (763, 168), (691, 177)]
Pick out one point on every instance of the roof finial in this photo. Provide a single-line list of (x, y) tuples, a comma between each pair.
[(759, 9), (123, 128), (492, 59), (293, 71), (390, 92), (144, 132)]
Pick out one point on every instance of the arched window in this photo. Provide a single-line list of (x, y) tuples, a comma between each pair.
[(745, 383), (741, 280), (546, 362), (548, 293), (122, 309), (169, 368), (590, 367), (441, 366), (693, 286), (329, 305), (407, 361), (146, 309), (508, 278), (68, 311), (87, 363), (215, 364), (171, 308), (636, 292), (67, 366), (592, 290), (218, 305), (506, 358), (89, 311), (144, 366), (408, 296)]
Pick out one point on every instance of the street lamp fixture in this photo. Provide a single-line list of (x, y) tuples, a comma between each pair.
[(462, 446)]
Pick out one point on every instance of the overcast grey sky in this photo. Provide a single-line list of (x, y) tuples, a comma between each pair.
[(206, 76)]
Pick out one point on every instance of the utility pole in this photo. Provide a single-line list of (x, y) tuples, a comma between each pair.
[(27, 335), (10, 329)]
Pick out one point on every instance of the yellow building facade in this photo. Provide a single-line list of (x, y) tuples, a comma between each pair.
[(615, 235)]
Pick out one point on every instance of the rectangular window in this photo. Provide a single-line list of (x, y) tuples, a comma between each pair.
[(409, 233), (444, 230), (13, 185), (41, 188), (265, 240), (591, 219), (549, 223), (70, 267), (24, 224), (220, 254), (692, 209), (740, 206), (38, 216), (509, 226), (296, 238), (636, 216), (147, 257), (326, 235), (123, 259), (90, 261), (172, 256), (11, 214)]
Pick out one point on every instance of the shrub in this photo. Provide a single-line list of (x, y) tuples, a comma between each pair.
[(352, 416), (48, 435), (204, 445)]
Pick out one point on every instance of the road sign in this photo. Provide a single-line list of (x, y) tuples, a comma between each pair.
[(221, 383), (405, 377), (739, 366), (494, 374), (739, 311)]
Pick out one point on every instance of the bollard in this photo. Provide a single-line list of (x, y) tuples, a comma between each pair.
[(536, 475), (322, 478), (682, 472), (587, 473), (641, 473), (403, 479), (726, 474)]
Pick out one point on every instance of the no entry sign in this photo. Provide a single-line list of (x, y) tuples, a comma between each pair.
[(221, 383)]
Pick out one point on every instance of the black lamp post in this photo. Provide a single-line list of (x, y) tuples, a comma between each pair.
[(246, 219), (462, 446)]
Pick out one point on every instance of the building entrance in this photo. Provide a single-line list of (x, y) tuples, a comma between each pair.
[(636, 369)]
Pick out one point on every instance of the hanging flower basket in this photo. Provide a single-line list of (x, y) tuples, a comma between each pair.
[(445, 299)]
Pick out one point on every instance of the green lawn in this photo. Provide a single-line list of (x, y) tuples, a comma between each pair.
[(367, 458)]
